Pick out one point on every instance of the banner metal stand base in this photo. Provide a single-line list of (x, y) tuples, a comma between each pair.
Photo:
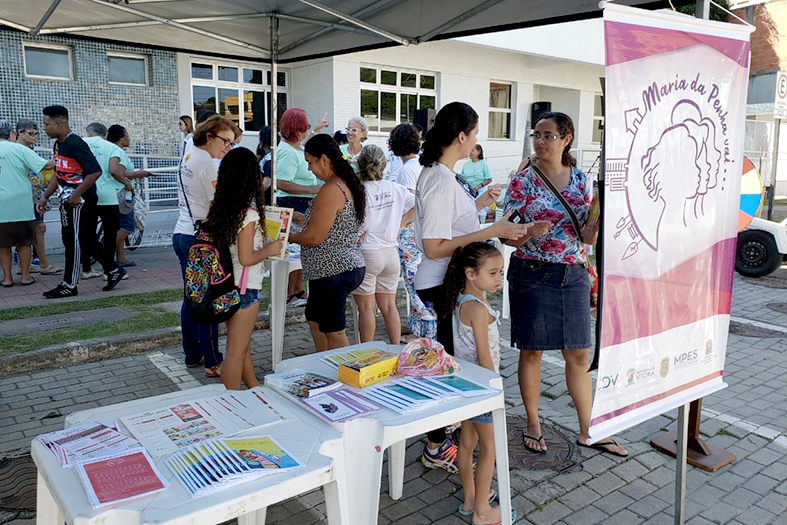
[(700, 454)]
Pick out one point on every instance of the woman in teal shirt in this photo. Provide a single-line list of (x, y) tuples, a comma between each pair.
[(476, 172)]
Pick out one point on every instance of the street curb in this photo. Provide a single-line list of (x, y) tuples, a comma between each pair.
[(59, 356)]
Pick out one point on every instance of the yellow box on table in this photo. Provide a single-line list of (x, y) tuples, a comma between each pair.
[(368, 369)]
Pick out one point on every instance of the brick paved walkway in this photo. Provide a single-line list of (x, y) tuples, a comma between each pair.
[(749, 418)]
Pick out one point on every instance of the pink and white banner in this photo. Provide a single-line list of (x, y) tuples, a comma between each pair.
[(675, 111)]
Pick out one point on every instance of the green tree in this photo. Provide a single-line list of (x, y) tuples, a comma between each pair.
[(715, 13)]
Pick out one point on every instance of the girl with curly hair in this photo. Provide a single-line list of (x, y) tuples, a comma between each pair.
[(235, 217), (330, 254)]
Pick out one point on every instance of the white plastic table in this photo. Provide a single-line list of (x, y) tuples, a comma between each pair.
[(280, 274), (61, 496), (366, 439)]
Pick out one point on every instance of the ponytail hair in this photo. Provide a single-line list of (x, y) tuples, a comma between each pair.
[(473, 255), (323, 144), (451, 120), (565, 126)]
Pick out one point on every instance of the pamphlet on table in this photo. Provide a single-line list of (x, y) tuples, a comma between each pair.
[(301, 383), (86, 442), (120, 478), (216, 464), (342, 405)]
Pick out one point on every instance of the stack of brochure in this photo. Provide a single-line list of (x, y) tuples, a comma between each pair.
[(341, 405), (338, 358), (417, 393), (123, 477), (217, 464), (301, 383), (86, 442), (166, 430)]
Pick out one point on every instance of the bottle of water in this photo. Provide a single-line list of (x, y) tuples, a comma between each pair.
[(428, 324)]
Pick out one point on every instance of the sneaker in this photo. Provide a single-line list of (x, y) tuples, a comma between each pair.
[(60, 291), (36, 261), (91, 274), (114, 277), (444, 457), (51, 269), (125, 276)]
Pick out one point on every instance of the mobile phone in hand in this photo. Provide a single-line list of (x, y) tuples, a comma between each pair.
[(516, 217)]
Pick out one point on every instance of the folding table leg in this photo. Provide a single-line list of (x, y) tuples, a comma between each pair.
[(47, 511), (336, 503), (396, 453), (278, 305), (255, 517), (501, 458)]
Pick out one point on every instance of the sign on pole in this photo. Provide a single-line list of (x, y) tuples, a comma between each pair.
[(780, 98), (675, 109)]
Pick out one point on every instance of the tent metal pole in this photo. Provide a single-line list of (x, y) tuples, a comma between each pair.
[(185, 27), (121, 25), (14, 25), (359, 23), (274, 103), (680, 467), (45, 18), (458, 20)]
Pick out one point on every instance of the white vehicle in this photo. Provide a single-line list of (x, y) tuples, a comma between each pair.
[(762, 247)]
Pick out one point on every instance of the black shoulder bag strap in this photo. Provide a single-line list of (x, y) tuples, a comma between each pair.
[(185, 198)]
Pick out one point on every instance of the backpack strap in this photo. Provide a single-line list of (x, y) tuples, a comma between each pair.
[(183, 189)]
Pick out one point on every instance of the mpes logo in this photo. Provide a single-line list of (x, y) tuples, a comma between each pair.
[(686, 358)]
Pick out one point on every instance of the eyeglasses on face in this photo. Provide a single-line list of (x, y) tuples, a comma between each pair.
[(227, 143), (31, 133), (535, 137), (352, 130)]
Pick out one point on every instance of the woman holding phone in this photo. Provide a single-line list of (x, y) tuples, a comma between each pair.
[(547, 279)]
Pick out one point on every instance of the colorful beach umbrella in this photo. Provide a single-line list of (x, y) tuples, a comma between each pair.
[(751, 194)]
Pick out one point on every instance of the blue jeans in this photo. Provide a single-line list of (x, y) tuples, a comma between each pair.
[(199, 340)]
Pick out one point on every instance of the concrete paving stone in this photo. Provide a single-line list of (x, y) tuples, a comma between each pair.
[(586, 516), (721, 511), (760, 484), (648, 506), (624, 517), (638, 489), (661, 476), (579, 498), (776, 470), (436, 510), (551, 513), (543, 492), (706, 494), (766, 456), (414, 487), (597, 464), (757, 516), (651, 460), (613, 502), (605, 483), (699, 520), (773, 502), (402, 508), (571, 480), (630, 470), (743, 498), (522, 505)]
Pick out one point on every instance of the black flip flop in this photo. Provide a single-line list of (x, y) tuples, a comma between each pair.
[(28, 284), (536, 439), (603, 447), (7, 285)]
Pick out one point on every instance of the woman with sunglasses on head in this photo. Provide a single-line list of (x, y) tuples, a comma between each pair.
[(548, 281), (357, 132), (331, 254), (197, 176), (446, 218)]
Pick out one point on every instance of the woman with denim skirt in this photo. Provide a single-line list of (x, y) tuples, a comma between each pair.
[(236, 217), (548, 281)]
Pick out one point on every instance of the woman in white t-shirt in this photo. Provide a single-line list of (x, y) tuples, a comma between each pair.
[(388, 205), (197, 176), (446, 219), (185, 126), (234, 218), (405, 142)]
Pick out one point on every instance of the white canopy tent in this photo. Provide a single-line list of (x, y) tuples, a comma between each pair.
[(283, 31)]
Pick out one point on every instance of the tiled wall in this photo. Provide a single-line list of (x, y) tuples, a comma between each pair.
[(150, 113)]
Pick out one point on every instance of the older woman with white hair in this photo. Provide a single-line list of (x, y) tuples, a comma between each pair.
[(357, 132)]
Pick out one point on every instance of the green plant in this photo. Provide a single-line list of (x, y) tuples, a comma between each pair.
[(715, 13)]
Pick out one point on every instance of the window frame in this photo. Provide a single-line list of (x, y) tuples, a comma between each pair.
[(597, 118), (240, 85), (398, 90), (40, 45), (120, 54), (506, 111)]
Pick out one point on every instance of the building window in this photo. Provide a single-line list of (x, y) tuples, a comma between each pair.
[(390, 97), (499, 111), (128, 69), (598, 119), (240, 93), (45, 61)]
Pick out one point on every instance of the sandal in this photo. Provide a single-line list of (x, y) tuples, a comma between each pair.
[(194, 365), (31, 282), (463, 512), (605, 447), (536, 439), (213, 371)]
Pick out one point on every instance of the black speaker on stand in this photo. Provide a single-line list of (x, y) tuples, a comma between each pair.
[(537, 110), (424, 118)]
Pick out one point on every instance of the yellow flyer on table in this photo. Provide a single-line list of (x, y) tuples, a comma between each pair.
[(277, 227)]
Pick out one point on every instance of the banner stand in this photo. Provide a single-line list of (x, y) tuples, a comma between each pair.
[(680, 467), (699, 453)]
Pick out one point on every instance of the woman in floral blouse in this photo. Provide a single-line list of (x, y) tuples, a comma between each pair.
[(548, 281)]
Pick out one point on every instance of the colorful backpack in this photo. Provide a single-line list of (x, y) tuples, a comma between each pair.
[(211, 295)]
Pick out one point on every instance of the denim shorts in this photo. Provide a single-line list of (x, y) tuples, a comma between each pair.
[(483, 418), (126, 222), (249, 298), (550, 305)]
